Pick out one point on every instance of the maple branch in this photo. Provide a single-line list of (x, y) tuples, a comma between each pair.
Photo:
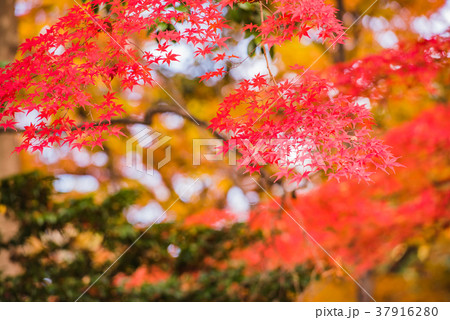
[(264, 47), (148, 120)]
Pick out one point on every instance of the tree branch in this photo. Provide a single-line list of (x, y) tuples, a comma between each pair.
[(264, 47), (340, 54), (148, 120)]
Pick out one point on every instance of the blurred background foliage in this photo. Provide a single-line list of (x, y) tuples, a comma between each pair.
[(61, 247), (68, 214)]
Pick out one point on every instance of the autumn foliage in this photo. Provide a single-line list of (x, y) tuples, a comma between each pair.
[(297, 122), (361, 225), (352, 158)]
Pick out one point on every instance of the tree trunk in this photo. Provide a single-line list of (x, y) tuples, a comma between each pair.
[(339, 56), (9, 163), (366, 281)]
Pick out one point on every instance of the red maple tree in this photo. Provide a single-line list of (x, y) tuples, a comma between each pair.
[(291, 123)]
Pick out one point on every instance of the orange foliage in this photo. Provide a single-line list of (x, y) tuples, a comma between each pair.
[(141, 276)]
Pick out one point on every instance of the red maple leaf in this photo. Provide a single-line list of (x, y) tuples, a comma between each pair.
[(170, 57)]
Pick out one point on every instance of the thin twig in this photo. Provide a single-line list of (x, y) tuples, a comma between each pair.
[(264, 47)]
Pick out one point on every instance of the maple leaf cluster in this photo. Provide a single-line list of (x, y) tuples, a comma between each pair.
[(295, 18), (298, 125), (309, 124), (412, 63), (85, 48)]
